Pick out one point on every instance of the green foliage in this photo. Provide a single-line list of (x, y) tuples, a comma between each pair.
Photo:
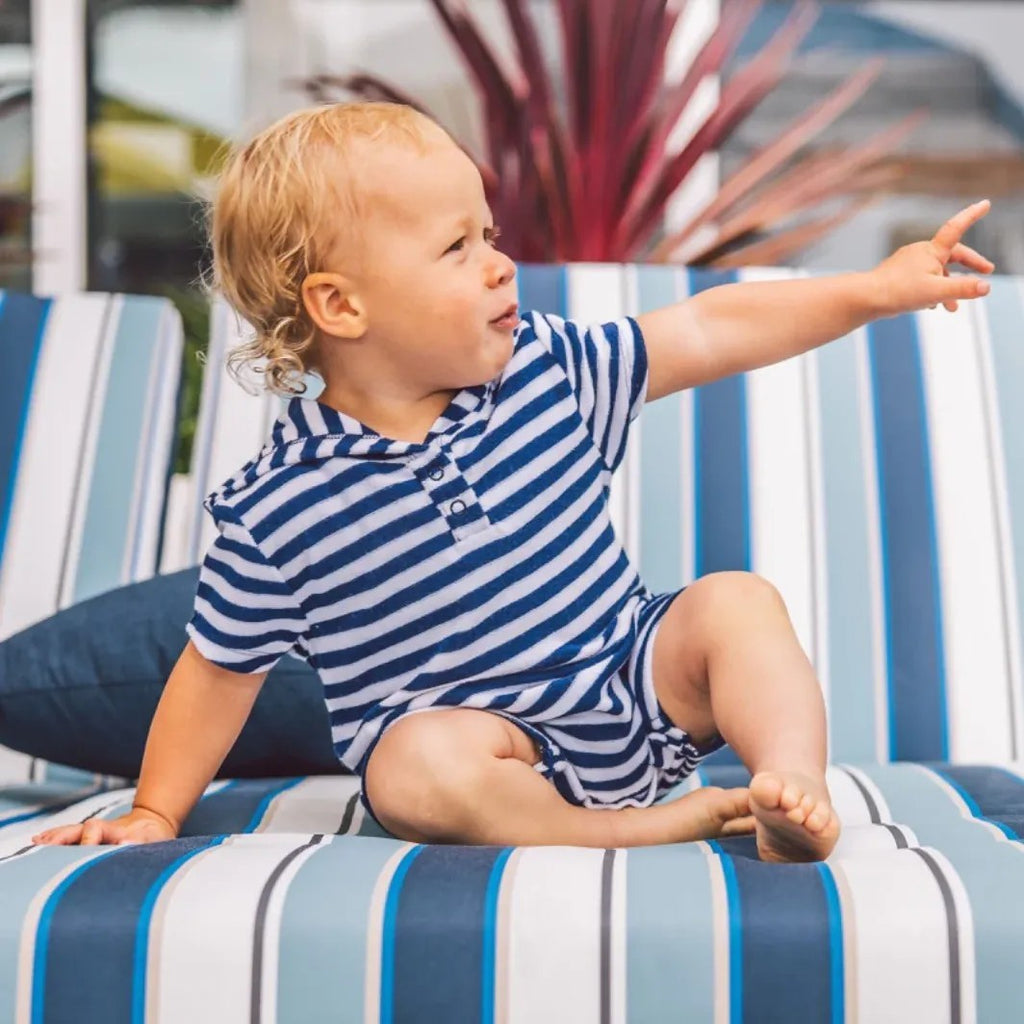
[(194, 306)]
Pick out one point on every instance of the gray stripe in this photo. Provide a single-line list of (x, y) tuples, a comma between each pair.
[(607, 865), (866, 796), (897, 833), (261, 920), (952, 933), (346, 818)]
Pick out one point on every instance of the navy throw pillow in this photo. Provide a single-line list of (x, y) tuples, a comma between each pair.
[(80, 688)]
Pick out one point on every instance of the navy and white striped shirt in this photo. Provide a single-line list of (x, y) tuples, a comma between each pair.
[(478, 568)]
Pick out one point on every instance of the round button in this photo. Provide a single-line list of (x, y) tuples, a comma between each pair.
[(458, 506), (437, 474)]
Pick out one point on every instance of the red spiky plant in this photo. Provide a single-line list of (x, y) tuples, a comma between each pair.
[(588, 176)]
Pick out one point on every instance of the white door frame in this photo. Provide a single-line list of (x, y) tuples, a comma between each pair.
[(59, 195)]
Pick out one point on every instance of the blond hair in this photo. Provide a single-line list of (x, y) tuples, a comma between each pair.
[(267, 224)]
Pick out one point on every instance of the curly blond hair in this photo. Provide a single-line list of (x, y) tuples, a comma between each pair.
[(278, 197)]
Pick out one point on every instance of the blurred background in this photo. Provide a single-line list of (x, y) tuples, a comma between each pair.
[(715, 132)]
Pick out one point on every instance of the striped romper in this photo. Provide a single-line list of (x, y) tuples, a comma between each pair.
[(477, 569)]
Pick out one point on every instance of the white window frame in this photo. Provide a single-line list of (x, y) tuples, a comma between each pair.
[(59, 196)]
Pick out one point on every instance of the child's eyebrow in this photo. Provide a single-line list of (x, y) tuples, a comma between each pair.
[(465, 223)]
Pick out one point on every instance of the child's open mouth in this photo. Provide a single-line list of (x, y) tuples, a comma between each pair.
[(508, 319)]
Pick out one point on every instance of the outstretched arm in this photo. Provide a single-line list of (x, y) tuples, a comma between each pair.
[(738, 327)]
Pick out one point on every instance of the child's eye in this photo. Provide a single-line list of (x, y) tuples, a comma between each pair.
[(456, 246), (491, 235)]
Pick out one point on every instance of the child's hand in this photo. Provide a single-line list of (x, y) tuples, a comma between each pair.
[(916, 276), (137, 826)]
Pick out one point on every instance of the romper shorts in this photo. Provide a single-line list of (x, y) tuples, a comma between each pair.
[(628, 755)]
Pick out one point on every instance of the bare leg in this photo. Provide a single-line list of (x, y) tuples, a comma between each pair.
[(727, 661), (466, 776)]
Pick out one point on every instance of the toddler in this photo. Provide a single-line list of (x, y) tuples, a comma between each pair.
[(432, 533)]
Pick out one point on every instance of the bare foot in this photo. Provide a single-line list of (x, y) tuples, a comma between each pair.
[(795, 820), (711, 813)]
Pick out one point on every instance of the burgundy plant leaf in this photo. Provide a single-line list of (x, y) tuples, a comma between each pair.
[(831, 174), (503, 96), (780, 247), (531, 59), (739, 96), (577, 163), (674, 100), (647, 205), (577, 58), (771, 157), (637, 85)]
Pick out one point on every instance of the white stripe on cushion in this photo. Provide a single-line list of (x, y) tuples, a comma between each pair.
[(894, 904), (972, 608), (595, 294), (782, 525), (554, 936), (1009, 557)]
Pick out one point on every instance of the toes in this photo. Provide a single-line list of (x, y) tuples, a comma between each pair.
[(766, 789), (791, 797), (819, 817)]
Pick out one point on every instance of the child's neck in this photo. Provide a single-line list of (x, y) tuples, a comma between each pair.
[(396, 419)]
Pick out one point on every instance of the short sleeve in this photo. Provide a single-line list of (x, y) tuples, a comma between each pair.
[(245, 615), (606, 365)]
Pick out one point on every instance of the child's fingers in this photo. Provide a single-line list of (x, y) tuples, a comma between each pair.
[(63, 835), (968, 257), (94, 832), (954, 229)]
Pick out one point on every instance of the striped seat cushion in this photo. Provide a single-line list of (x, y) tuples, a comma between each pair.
[(262, 904), (88, 409), (878, 482)]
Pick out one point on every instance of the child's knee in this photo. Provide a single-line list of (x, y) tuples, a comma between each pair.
[(427, 771), (722, 599)]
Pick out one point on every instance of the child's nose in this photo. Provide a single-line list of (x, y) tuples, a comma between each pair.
[(500, 270)]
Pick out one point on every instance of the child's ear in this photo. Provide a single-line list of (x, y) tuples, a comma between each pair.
[(333, 306)]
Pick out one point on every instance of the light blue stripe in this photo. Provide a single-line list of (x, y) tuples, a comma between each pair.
[(991, 869), (670, 939), (66, 775), (732, 893), (837, 981), (387, 953), (322, 947), (489, 965), (661, 460), (21, 880), (852, 710), (1005, 309), (107, 531), (271, 794)]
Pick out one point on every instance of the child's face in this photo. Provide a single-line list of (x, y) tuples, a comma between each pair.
[(435, 287)]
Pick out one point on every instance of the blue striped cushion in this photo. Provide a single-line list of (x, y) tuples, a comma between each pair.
[(88, 410), (261, 903)]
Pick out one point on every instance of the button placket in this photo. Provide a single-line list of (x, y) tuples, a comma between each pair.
[(450, 492)]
